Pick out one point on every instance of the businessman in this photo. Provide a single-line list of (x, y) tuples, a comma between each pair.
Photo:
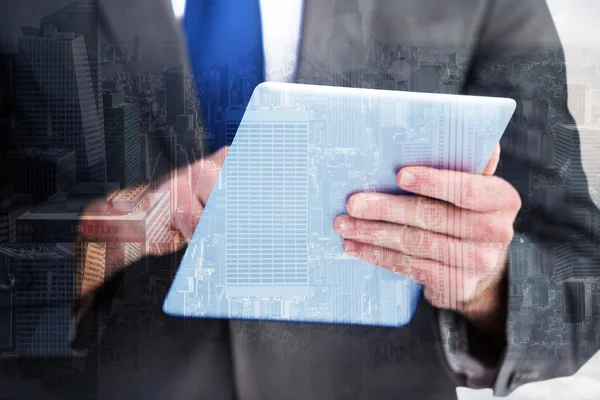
[(481, 223)]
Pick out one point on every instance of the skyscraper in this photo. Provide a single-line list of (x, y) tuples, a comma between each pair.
[(237, 91), (539, 292), (47, 273), (280, 203), (164, 160), (175, 87), (57, 63), (430, 78), (185, 131), (211, 101), (346, 287), (7, 330), (12, 206), (453, 60), (576, 309), (123, 149), (563, 153), (7, 88), (137, 48), (579, 96), (224, 73), (81, 17), (590, 135), (541, 115), (347, 47), (233, 117), (40, 173)]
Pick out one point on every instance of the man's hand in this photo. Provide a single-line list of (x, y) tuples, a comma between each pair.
[(192, 186), (452, 235)]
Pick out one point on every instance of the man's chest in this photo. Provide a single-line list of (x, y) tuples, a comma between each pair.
[(387, 44), (383, 44)]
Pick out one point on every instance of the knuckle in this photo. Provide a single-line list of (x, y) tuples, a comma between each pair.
[(467, 223), (411, 239), (430, 213), (427, 181), (484, 258), (514, 200), (400, 261), (470, 192), (389, 259), (509, 197), (379, 236), (381, 256), (426, 176), (498, 189), (498, 230), (431, 295), (506, 234), (404, 236), (385, 209), (421, 211), (491, 229), (365, 232), (491, 234), (393, 213)]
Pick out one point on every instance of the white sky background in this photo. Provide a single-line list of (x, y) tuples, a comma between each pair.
[(578, 24)]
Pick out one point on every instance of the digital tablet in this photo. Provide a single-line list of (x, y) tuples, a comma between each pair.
[(265, 247)]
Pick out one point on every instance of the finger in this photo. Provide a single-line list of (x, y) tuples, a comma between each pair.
[(444, 286), (184, 202), (464, 190), (490, 169), (421, 270), (183, 223), (220, 155), (215, 161), (205, 173), (432, 215), (419, 243)]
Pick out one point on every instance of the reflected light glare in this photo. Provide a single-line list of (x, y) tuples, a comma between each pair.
[(178, 7)]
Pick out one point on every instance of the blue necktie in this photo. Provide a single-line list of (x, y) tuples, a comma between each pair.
[(226, 55)]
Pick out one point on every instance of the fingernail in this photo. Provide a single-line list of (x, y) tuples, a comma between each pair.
[(341, 224), (406, 179), (359, 205)]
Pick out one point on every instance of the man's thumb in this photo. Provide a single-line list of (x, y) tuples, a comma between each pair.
[(490, 169)]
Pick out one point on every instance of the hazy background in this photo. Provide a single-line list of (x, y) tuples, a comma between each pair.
[(578, 25)]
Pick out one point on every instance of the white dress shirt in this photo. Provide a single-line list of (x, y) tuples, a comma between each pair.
[(281, 27)]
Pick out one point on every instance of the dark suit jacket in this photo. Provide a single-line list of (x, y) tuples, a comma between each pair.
[(135, 351)]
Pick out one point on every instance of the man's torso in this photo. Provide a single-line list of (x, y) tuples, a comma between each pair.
[(385, 44)]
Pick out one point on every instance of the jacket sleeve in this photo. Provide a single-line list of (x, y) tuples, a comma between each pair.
[(554, 257)]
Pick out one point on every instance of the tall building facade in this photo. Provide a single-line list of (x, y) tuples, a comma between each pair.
[(285, 272), (12, 206), (123, 148), (175, 87), (59, 61), (45, 272), (579, 97), (81, 17), (347, 44), (40, 173), (137, 48)]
